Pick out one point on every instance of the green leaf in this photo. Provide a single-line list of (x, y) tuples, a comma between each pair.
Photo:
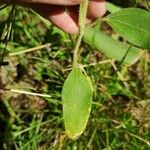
[(112, 48), (112, 8), (133, 24), (77, 100)]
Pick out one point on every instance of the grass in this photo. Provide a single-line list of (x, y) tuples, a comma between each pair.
[(120, 117)]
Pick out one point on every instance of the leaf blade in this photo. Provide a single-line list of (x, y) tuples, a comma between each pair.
[(112, 48), (133, 24), (77, 101)]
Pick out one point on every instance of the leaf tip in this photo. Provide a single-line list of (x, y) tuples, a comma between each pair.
[(74, 136)]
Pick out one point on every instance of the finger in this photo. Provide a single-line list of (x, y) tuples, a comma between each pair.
[(58, 16), (55, 2), (96, 8)]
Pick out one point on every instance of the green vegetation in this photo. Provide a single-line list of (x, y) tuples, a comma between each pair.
[(40, 58)]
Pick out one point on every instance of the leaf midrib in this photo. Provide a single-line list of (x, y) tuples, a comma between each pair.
[(140, 29)]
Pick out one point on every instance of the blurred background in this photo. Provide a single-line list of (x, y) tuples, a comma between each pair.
[(36, 58)]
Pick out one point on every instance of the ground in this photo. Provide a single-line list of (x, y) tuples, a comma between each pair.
[(120, 116)]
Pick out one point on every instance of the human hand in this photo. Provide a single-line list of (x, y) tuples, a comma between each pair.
[(64, 13)]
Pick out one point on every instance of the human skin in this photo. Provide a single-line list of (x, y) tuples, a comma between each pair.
[(63, 13)]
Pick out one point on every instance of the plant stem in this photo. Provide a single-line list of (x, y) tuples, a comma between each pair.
[(30, 50), (29, 93), (82, 20)]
